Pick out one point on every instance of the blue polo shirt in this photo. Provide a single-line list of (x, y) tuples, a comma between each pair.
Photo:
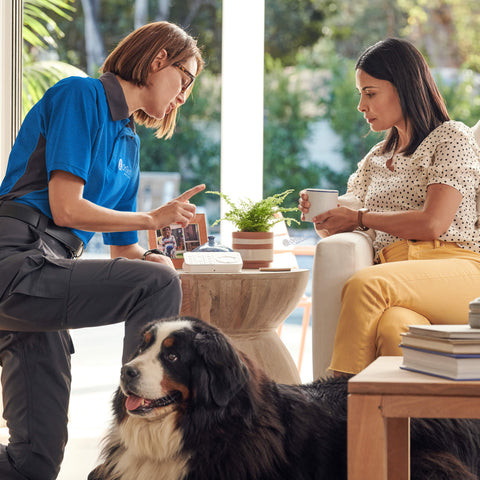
[(81, 126)]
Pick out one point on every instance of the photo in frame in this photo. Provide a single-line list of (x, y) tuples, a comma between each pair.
[(174, 240)]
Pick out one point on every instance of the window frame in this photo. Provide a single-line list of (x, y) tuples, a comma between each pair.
[(11, 25)]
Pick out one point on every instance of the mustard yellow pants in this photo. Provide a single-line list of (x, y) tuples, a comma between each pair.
[(416, 283)]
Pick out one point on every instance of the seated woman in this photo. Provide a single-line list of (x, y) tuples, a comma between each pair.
[(418, 191)]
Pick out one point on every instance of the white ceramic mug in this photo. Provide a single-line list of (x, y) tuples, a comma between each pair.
[(320, 201)]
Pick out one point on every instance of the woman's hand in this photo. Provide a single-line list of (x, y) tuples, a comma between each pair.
[(153, 257), (303, 203), (336, 220), (135, 251), (179, 210)]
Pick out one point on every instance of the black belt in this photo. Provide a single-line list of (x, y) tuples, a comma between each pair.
[(33, 217)]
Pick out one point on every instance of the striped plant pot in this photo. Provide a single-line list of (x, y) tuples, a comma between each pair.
[(255, 248)]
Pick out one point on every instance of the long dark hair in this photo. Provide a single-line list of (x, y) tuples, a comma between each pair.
[(423, 107)]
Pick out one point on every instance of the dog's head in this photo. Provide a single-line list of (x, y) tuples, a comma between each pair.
[(182, 361)]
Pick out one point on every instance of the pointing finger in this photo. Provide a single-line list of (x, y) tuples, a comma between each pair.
[(185, 196)]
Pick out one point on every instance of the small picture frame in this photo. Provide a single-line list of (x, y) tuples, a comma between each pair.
[(174, 240)]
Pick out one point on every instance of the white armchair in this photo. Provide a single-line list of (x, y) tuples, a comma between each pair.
[(336, 259)]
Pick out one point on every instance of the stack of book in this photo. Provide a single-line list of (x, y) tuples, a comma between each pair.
[(449, 351)]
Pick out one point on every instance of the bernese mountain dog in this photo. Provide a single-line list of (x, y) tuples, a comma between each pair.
[(192, 407)]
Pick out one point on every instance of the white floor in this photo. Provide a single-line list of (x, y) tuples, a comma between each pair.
[(95, 369)]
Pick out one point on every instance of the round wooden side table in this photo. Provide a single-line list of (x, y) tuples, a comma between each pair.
[(248, 307)]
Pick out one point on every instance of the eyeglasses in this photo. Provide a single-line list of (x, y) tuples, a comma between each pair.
[(187, 73)]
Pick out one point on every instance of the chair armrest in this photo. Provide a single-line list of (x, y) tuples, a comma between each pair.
[(336, 259)]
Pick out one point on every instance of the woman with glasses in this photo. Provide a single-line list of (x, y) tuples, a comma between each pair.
[(74, 170)]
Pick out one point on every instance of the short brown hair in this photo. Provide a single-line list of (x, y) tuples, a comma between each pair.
[(133, 56)]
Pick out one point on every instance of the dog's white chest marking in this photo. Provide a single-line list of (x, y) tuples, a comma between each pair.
[(153, 450)]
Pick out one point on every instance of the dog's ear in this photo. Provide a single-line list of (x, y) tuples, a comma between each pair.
[(222, 374)]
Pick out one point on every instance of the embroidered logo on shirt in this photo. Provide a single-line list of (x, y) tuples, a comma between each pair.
[(123, 167)]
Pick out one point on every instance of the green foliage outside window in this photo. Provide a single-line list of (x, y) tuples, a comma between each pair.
[(310, 45), (41, 32)]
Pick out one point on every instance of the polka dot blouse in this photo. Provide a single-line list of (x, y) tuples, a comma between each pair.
[(450, 156)]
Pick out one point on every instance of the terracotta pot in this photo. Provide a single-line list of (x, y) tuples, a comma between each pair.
[(255, 248)]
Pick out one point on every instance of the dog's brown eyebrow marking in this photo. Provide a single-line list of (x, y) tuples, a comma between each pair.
[(168, 342), (147, 337)]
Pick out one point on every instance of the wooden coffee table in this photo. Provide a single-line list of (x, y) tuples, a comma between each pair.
[(381, 400), (248, 307)]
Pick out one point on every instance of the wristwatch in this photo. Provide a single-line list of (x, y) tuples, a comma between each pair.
[(152, 250), (361, 212)]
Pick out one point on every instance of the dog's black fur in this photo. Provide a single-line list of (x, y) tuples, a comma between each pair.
[(237, 424)]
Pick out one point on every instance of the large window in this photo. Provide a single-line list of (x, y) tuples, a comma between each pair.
[(279, 73), (240, 159)]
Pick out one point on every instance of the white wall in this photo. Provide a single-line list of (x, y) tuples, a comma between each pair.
[(11, 20), (243, 26)]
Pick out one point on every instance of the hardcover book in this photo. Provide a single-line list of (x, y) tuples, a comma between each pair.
[(447, 365), (447, 345), (446, 331)]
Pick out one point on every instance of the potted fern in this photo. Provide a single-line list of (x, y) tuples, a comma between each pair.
[(254, 222)]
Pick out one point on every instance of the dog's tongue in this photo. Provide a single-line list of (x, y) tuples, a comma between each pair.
[(133, 402)]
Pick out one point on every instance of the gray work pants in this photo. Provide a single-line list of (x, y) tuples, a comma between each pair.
[(43, 294)]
